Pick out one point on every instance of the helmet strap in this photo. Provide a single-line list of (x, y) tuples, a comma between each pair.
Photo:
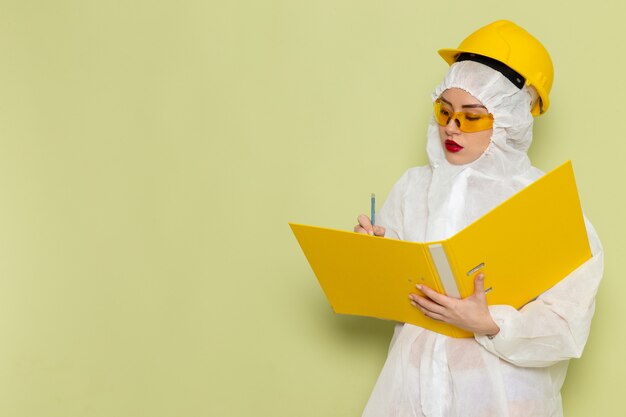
[(508, 72)]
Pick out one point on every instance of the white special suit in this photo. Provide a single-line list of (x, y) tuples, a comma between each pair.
[(521, 370)]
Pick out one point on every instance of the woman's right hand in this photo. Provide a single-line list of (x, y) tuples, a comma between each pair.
[(365, 226)]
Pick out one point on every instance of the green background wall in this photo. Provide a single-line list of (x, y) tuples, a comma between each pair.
[(152, 152)]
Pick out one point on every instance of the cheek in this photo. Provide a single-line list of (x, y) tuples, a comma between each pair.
[(484, 140)]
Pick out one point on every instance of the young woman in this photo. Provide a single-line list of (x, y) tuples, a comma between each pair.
[(500, 76)]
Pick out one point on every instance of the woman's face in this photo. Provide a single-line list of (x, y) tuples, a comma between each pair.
[(460, 147)]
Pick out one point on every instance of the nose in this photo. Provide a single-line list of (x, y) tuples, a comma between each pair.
[(453, 126)]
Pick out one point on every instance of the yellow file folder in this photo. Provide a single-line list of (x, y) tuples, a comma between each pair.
[(524, 246)]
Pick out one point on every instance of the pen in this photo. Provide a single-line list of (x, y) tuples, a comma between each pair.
[(373, 209)]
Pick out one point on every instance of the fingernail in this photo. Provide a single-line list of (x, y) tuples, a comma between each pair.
[(419, 287)]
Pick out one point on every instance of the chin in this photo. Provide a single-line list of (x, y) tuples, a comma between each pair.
[(456, 159)]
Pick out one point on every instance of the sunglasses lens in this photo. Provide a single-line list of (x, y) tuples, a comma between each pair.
[(442, 114), (467, 122), (473, 122)]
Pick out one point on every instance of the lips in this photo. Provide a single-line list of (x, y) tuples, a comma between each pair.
[(452, 146)]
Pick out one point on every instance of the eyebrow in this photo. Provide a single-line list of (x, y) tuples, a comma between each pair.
[(465, 106)]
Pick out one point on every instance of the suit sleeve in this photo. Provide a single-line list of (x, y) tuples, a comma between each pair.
[(391, 215), (556, 325)]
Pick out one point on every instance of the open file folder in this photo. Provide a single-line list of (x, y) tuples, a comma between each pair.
[(524, 246)]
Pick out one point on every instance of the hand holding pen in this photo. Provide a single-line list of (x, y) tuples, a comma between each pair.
[(367, 224)]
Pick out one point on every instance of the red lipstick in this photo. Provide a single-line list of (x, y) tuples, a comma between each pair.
[(452, 146)]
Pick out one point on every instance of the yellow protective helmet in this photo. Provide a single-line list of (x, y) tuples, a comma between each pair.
[(511, 45)]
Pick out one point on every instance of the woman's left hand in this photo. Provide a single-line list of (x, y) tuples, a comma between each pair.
[(471, 313)]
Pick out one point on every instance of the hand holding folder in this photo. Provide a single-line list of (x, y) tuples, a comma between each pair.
[(524, 246), (470, 313)]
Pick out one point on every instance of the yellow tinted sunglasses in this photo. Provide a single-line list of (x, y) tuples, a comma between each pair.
[(467, 122)]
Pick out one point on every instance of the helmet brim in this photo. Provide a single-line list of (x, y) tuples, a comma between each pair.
[(450, 55)]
